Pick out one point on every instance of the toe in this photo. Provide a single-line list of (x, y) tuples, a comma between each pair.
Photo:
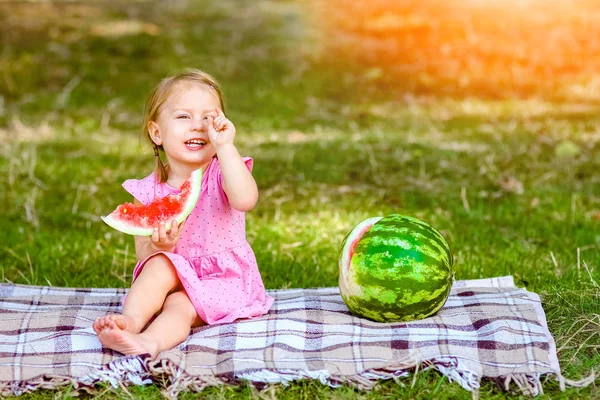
[(111, 324), (98, 324), (102, 323), (121, 323)]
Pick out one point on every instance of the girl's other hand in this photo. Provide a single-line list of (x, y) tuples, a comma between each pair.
[(165, 239), (221, 131)]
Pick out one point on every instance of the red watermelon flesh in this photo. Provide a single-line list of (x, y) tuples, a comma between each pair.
[(140, 220)]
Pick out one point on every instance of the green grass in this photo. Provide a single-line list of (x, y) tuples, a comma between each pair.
[(332, 145)]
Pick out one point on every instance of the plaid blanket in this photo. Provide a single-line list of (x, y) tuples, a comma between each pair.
[(488, 328)]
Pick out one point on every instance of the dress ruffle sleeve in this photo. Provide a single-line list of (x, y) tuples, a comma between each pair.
[(142, 189)]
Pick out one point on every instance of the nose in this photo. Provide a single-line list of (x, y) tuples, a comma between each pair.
[(198, 124)]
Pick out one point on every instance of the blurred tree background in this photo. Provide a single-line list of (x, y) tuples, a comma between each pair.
[(98, 59)]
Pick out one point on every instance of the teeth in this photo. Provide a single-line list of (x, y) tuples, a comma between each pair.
[(195, 141)]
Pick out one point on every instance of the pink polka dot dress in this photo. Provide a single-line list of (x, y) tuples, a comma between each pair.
[(214, 262)]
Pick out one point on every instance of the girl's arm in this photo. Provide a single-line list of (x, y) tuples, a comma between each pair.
[(238, 183)]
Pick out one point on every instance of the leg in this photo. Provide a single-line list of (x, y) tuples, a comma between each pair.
[(157, 279), (170, 328)]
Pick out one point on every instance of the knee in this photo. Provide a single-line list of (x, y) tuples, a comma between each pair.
[(181, 302), (159, 264)]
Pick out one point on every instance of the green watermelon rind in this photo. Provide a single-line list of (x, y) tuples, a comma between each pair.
[(375, 293), (192, 199)]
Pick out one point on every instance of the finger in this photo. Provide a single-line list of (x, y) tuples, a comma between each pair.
[(155, 235), (174, 228), (220, 123), (162, 232), (211, 123), (219, 111)]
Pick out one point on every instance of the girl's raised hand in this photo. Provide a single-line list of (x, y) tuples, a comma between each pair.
[(165, 239), (221, 131)]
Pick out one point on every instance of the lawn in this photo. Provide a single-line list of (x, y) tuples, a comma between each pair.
[(482, 121)]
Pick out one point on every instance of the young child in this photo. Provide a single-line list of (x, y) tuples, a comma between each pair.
[(202, 271)]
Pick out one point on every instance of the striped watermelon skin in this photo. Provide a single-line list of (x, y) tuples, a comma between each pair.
[(400, 269)]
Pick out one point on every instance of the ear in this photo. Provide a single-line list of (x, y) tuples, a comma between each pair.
[(154, 133)]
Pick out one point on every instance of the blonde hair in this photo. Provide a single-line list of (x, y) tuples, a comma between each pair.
[(161, 93)]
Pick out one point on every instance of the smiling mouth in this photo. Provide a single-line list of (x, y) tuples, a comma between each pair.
[(195, 143)]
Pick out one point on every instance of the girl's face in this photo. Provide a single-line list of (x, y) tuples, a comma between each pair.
[(181, 127)]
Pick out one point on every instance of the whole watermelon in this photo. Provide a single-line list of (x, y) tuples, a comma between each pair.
[(395, 268)]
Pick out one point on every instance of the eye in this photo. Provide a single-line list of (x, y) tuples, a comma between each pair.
[(183, 116)]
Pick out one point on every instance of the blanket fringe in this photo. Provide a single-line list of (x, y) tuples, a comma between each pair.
[(563, 382), (363, 381), (527, 384), (531, 384), (140, 370), (120, 371), (181, 381), (129, 370)]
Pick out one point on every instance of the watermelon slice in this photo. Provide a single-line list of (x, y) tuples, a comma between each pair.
[(395, 268), (140, 220)]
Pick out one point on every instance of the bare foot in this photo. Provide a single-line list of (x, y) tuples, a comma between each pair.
[(126, 342), (121, 321)]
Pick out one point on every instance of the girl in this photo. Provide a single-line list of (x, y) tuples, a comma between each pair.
[(204, 272)]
